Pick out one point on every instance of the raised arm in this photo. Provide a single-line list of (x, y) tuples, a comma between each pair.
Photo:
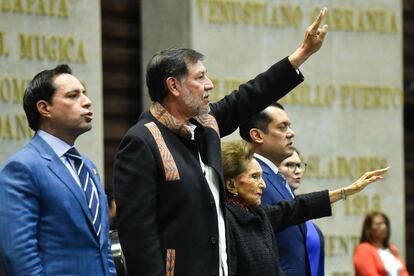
[(314, 37), (317, 204), (366, 179)]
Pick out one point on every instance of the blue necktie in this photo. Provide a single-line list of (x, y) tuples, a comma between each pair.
[(88, 187)]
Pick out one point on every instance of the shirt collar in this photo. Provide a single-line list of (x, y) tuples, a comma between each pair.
[(59, 146), (269, 163)]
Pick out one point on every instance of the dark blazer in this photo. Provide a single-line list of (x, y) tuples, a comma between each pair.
[(166, 213), (252, 240), (46, 226), (291, 242)]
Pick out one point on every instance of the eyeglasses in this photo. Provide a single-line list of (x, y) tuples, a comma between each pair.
[(293, 167)]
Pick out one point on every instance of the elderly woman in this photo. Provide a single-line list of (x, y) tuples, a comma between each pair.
[(375, 255), (251, 227)]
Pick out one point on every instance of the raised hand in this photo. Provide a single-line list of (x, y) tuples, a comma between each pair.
[(314, 37), (366, 179)]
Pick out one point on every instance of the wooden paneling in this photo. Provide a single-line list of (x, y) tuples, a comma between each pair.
[(121, 74), (408, 15)]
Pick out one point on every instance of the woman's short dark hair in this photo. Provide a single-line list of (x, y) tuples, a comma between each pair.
[(366, 228), (235, 156), (172, 62), (260, 120), (41, 87)]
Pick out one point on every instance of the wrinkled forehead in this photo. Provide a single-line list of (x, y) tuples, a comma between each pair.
[(253, 165), (196, 68)]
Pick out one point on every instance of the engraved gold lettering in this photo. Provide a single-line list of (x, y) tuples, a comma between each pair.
[(41, 8), (25, 47), (200, 8), (358, 205), (3, 51), (340, 246), (18, 90), (36, 7), (51, 43), (6, 129), (368, 97), (63, 9), (346, 19), (342, 167), (12, 90), (80, 56), (22, 127), (5, 90), (18, 6), (14, 127), (52, 48), (6, 6), (256, 13)]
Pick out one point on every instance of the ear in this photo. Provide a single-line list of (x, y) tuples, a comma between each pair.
[(231, 186), (43, 108), (174, 86), (256, 135)]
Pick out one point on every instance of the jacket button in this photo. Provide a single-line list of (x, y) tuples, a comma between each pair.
[(213, 240), (212, 204)]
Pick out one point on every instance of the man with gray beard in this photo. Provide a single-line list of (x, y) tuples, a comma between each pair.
[(169, 185)]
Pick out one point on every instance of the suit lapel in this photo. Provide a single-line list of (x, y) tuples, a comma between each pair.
[(61, 172), (274, 180), (280, 187)]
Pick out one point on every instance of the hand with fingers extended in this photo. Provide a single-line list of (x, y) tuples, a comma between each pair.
[(366, 179), (314, 37)]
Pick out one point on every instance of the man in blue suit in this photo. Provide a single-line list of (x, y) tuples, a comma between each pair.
[(271, 136), (53, 210)]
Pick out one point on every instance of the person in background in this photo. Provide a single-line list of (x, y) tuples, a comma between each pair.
[(253, 248), (53, 209), (375, 255), (293, 170)]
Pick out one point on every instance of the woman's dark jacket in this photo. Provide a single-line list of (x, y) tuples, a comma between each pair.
[(253, 250)]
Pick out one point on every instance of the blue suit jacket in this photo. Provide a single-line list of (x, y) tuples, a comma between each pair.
[(45, 225), (291, 241)]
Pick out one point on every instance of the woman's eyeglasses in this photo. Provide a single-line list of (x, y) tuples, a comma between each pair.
[(293, 167)]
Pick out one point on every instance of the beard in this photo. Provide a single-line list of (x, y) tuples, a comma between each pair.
[(195, 105)]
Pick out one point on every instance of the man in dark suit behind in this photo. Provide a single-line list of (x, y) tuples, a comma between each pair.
[(53, 210), (271, 136), (168, 175)]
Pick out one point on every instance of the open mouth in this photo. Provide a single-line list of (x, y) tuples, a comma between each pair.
[(89, 116)]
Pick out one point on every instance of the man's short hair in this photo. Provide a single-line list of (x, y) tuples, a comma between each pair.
[(172, 62), (259, 120), (41, 87)]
